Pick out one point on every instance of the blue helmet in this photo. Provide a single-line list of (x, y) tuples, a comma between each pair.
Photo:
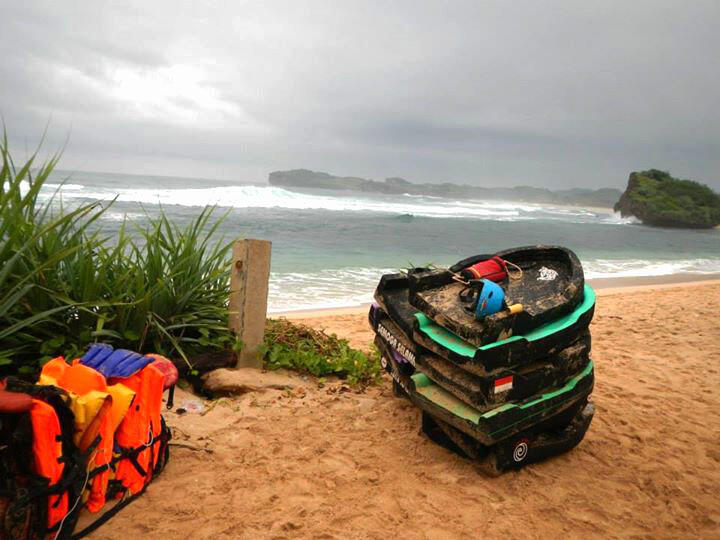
[(490, 299)]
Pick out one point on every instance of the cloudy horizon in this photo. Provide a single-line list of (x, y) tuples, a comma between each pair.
[(553, 94)]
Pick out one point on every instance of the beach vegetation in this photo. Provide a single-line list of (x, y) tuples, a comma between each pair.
[(304, 349), (150, 287), (64, 284)]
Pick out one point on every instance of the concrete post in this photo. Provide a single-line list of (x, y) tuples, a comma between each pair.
[(249, 278)]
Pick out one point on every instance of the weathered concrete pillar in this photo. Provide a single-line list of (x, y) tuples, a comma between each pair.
[(249, 278)]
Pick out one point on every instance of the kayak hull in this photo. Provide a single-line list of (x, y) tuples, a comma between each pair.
[(525, 447)]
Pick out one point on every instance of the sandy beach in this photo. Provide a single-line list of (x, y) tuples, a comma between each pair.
[(324, 462)]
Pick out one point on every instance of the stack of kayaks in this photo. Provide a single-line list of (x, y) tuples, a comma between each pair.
[(506, 389)]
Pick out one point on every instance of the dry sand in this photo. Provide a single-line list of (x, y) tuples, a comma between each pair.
[(323, 463)]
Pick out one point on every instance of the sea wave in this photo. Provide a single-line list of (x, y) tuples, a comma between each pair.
[(616, 219), (64, 187), (611, 268), (343, 287), (276, 197), (252, 196), (123, 216), (346, 287)]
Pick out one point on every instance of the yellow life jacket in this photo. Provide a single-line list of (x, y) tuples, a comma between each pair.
[(88, 391)]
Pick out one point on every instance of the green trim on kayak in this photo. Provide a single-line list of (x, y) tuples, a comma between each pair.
[(442, 398), (425, 387), (447, 339), (570, 385)]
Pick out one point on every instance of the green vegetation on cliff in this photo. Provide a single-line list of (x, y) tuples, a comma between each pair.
[(658, 199)]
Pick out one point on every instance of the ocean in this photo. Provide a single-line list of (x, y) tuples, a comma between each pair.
[(331, 247)]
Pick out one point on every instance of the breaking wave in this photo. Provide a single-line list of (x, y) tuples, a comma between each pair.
[(291, 291), (348, 287), (251, 196), (611, 268)]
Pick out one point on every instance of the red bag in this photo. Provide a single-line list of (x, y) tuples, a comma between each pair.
[(494, 269)]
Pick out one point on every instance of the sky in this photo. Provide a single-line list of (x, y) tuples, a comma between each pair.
[(544, 93)]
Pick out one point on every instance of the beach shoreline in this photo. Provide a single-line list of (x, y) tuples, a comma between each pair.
[(603, 286)]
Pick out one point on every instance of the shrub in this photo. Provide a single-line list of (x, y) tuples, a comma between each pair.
[(64, 285), (304, 349), (157, 288)]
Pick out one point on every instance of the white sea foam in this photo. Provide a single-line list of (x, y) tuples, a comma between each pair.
[(347, 287), (249, 196), (615, 218), (275, 197), (610, 268), (342, 287), (65, 187), (122, 216)]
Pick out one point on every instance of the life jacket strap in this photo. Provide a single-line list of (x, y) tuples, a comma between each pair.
[(163, 439), (107, 515)]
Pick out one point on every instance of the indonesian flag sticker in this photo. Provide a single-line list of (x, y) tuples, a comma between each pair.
[(503, 385)]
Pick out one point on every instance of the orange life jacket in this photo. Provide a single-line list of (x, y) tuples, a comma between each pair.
[(139, 433), (53, 435), (47, 449), (88, 384)]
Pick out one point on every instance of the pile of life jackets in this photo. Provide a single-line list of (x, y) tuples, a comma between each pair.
[(86, 433)]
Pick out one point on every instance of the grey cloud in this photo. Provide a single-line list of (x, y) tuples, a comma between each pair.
[(540, 93)]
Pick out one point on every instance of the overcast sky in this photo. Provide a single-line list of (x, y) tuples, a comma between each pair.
[(490, 93)]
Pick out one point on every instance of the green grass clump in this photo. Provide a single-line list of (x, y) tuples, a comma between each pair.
[(174, 284), (63, 284), (301, 348)]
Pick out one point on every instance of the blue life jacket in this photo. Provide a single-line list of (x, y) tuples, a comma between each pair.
[(114, 363)]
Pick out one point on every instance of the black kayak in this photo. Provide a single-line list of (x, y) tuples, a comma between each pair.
[(479, 389), (506, 403), (502, 437), (551, 286), (555, 435), (392, 294)]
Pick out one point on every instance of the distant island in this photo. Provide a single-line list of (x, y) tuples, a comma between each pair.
[(658, 199), (303, 178)]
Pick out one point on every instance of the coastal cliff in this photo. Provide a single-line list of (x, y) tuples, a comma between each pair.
[(303, 178), (658, 199)]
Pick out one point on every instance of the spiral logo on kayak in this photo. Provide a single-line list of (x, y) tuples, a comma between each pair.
[(520, 451)]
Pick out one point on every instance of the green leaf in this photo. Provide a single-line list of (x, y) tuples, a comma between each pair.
[(131, 335)]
